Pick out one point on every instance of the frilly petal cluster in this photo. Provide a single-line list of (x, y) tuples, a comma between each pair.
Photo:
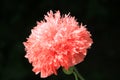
[(57, 41)]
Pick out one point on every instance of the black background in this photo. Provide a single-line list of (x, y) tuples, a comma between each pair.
[(18, 17)]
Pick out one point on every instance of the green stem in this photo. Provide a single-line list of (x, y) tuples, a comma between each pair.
[(78, 74), (76, 78)]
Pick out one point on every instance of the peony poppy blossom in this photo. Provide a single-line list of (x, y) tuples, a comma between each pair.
[(57, 41)]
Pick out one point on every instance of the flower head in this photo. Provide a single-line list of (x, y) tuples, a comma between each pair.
[(56, 42)]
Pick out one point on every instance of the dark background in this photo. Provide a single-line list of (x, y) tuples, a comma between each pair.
[(18, 17)]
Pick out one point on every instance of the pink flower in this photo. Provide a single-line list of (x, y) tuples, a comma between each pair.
[(56, 42)]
